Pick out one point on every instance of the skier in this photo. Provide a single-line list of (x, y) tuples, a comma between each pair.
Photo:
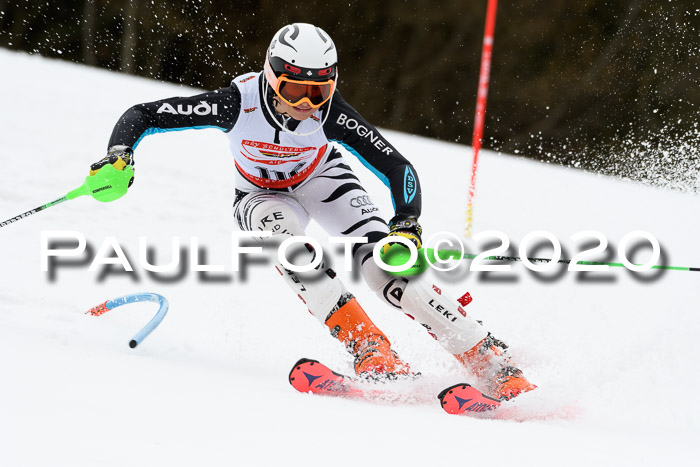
[(280, 123)]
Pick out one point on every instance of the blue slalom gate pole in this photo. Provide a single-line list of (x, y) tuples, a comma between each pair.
[(133, 298)]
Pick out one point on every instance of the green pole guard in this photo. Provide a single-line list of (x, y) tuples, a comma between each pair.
[(106, 185), (398, 255)]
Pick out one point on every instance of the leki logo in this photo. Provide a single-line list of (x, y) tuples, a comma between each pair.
[(252, 109)]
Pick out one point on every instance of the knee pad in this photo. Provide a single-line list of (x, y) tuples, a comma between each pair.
[(441, 315), (273, 212)]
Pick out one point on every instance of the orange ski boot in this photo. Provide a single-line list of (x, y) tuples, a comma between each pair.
[(508, 383), (487, 360), (374, 357)]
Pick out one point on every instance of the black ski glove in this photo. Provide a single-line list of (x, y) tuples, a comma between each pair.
[(119, 156), (407, 227)]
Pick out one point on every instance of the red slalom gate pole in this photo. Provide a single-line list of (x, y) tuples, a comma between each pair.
[(482, 93)]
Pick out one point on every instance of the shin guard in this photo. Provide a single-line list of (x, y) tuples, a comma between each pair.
[(443, 317)]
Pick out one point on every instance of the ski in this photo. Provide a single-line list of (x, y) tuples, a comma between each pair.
[(463, 398), (312, 376)]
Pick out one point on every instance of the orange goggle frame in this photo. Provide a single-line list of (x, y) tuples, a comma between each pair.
[(295, 92)]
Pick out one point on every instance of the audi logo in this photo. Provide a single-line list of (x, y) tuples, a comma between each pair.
[(361, 201)]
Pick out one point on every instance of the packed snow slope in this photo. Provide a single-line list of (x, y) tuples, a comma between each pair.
[(614, 354)]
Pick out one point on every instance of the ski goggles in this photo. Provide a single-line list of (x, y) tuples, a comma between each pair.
[(295, 92)]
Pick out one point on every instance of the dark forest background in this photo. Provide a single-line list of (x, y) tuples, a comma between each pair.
[(605, 85)]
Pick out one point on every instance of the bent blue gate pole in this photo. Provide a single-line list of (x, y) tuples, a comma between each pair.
[(133, 298)]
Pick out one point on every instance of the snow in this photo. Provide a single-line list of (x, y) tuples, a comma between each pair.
[(614, 354)]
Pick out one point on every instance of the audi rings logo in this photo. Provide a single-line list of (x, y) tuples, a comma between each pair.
[(360, 201)]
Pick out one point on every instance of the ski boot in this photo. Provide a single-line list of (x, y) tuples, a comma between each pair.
[(487, 360), (374, 358)]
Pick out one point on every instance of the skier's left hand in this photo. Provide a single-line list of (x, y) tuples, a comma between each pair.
[(407, 227), (118, 156)]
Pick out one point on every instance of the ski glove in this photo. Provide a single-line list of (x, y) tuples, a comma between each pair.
[(407, 227), (119, 156)]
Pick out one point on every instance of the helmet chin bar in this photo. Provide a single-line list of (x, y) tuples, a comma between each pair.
[(284, 128)]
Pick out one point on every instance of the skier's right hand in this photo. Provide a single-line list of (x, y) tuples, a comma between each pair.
[(118, 156), (406, 227)]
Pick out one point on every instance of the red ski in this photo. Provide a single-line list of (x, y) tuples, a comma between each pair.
[(463, 398), (312, 376)]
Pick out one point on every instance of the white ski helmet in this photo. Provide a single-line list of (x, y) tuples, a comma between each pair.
[(302, 52), (301, 65)]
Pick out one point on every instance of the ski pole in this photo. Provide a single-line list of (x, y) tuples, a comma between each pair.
[(399, 255), (454, 253), (33, 211), (133, 298), (106, 185)]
